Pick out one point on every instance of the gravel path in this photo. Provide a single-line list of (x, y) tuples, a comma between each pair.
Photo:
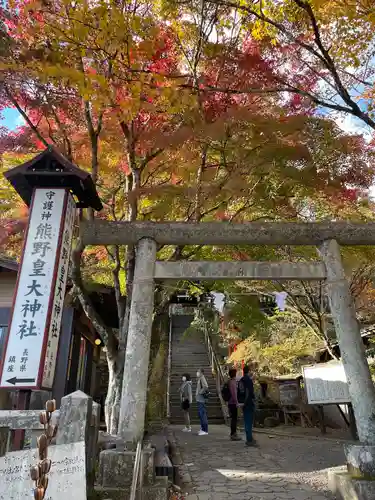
[(281, 468)]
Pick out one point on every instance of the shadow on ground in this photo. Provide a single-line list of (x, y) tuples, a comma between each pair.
[(281, 468)]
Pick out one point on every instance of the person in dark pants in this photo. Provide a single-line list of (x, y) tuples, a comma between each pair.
[(233, 404), (248, 406), (202, 389)]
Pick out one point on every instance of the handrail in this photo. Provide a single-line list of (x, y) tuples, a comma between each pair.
[(216, 369), (215, 365), (137, 473)]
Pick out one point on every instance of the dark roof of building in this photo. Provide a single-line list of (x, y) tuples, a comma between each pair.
[(8, 264)]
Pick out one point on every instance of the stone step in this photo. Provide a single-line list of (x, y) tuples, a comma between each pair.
[(156, 491), (194, 410), (176, 350), (176, 380), (179, 370), (187, 344), (195, 421), (176, 384), (179, 351), (191, 359), (191, 366), (191, 370), (211, 409), (212, 406), (196, 424), (215, 411), (212, 401), (189, 350), (175, 396), (182, 368), (174, 390), (177, 376), (188, 354), (194, 413)]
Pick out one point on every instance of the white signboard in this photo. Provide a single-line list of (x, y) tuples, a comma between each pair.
[(25, 347), (326, 383), (59, 294), (67, 478)]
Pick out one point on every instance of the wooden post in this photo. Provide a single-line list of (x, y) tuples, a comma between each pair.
[(23, 403), (322, 423)]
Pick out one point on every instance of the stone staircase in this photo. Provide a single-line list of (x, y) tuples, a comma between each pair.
[(188, 354)]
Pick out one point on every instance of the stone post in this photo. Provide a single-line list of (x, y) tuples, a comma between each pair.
[(75, 418), (134, 387), (360, 457), (92, 444), (74, 425)]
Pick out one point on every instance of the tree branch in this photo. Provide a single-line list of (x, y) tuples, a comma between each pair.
[(25, 116), (322, 54), (106, 333)]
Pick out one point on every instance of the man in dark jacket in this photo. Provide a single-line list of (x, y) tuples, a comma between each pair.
[(248, 407), (233, 404)]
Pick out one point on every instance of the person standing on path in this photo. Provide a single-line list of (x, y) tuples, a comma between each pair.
[(186, 395), (233, 404), (201, 396), (248, 406)]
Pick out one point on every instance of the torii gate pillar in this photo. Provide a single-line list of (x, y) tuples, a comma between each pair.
[(134, 386), (360, 457)]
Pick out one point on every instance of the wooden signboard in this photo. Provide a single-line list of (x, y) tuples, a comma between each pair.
[(289, 392)]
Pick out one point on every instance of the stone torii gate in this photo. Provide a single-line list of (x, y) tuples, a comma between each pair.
[(327, 237)]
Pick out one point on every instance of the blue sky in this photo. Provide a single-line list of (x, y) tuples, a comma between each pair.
[(10, 118)]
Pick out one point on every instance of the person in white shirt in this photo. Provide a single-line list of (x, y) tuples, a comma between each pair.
[(186, 396)]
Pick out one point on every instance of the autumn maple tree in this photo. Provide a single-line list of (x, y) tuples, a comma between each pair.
[(328, 44), (156, 111)]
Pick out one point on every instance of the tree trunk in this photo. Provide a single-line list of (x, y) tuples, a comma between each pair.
[(112, 402)]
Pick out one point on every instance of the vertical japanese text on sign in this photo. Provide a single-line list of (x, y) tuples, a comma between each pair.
[(24, 352)]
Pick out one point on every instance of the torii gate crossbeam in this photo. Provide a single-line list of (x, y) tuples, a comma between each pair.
[(225, 233)]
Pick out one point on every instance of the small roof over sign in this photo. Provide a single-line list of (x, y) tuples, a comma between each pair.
[(8, 264), (50, 169)]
